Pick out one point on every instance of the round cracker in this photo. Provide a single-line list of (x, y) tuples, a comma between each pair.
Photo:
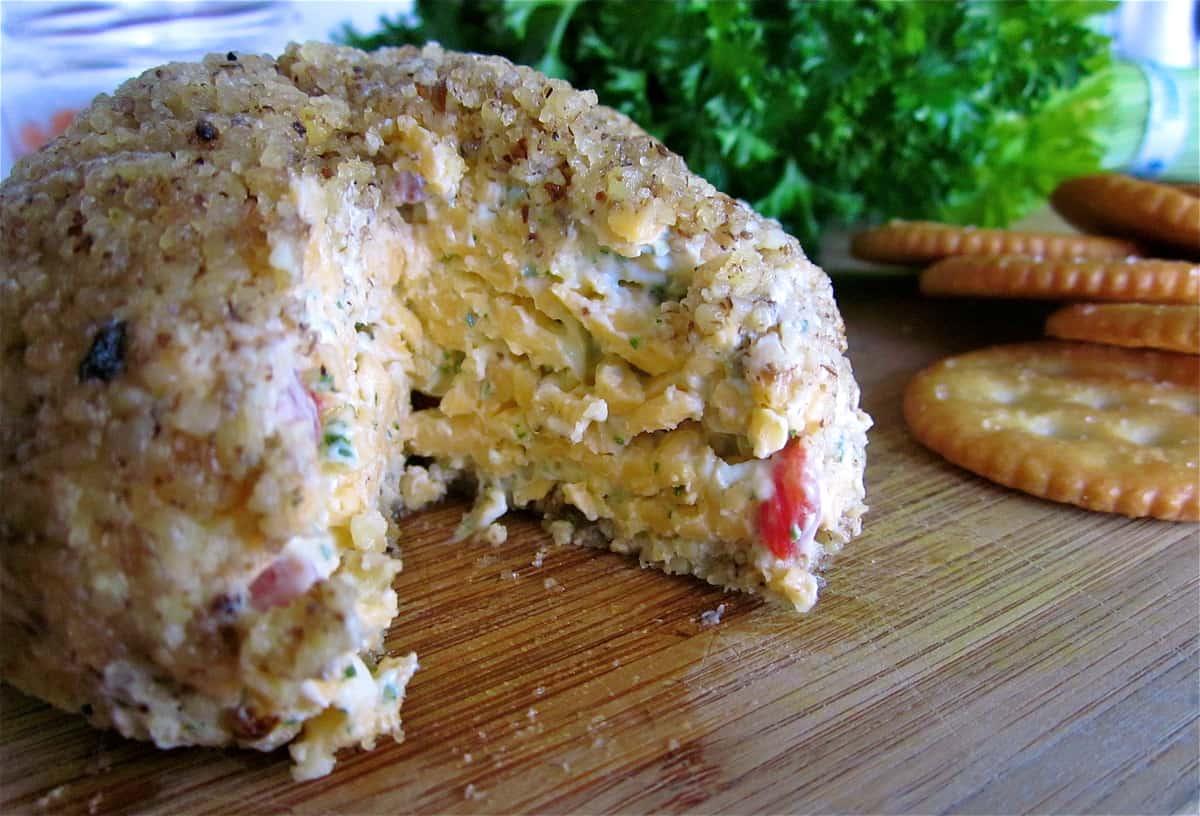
[(1129, 207), (1139, 325), (1101, 427), (921, 242), (1012, 276)]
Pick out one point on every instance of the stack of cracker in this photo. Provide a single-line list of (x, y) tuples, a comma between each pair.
[(1106, 416)]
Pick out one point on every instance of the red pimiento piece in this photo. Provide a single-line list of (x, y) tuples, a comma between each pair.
[(299, 403), (789, 517), (286, 578)]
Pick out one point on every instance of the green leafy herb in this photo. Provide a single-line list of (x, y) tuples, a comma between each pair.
[(825, 111)]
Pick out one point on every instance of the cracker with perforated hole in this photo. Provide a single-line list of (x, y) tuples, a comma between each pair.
[(1133, 208), (921, 242), (1136, 325), (1101, 427), (1015, 276)]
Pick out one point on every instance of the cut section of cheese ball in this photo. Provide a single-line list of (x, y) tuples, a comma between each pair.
[(254, 309)]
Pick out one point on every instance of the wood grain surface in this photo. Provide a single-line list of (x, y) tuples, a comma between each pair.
[(975, 651)]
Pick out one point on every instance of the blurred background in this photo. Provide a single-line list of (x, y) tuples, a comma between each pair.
[(56, 56)]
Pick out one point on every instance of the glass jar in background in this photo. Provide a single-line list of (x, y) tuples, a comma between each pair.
[(56, 56)]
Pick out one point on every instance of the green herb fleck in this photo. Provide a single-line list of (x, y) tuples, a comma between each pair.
[(794, 531), (678, 490), (620, 440), (325, 381), (635, 342), (338, 446), (452, 362), (350, 672), (365, 328)]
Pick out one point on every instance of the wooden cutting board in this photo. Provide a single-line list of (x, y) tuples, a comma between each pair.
[(976, 650)]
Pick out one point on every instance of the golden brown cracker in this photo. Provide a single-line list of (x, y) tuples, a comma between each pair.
[(921, 242), (1129, 207), (1141, 325), (1011, 276), (1101, 427)]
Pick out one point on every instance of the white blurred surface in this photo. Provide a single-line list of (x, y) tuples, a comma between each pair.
[(1162, 31), (56, 56)]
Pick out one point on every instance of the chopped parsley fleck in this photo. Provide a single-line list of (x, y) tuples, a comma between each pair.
[(365, 328), (521, 433), (472, 319), (350, 672), (635, 342), (337, 443), (485, 389), (620, 440), (678, 490), (452, 362), (794, 531)]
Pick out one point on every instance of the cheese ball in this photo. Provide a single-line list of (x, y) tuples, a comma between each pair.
[(254, 310)]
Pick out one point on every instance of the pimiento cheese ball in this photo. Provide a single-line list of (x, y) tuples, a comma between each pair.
[(253, 310)]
